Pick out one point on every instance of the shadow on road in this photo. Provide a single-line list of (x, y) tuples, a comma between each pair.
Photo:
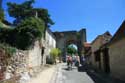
[(98, 77), (91, 74), (67, 69)]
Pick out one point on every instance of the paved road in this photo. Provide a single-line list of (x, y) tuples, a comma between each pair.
[(84, 74), (62, 75)]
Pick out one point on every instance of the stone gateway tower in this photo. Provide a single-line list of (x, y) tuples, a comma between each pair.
[(66, 38)]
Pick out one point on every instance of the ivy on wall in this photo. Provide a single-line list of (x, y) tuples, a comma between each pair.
[(24, 35)]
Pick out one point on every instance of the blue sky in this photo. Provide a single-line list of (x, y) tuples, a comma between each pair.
[(97, 16)]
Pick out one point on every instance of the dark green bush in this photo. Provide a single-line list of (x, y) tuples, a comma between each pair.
[(8, 49), (1, 14), (30, 30), (49, 60), (24, 35)]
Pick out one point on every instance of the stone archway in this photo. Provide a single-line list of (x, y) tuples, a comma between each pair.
[(67, 37), (71, 42)]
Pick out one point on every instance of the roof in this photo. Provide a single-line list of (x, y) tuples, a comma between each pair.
[(87, 44), (96, 39), (120, 33), (106, 33)]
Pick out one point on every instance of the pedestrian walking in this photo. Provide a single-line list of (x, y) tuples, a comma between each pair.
[(74, 59), (77, 61), (69, 62), (83, 62)]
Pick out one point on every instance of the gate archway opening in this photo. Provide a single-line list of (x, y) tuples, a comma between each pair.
[(65, 38), (72, 49)]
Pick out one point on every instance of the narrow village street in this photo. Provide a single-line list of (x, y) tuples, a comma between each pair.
[(62, 41), (63, 75), (60, 74), (80, 75)]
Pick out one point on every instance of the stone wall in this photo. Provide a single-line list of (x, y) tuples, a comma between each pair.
[(20, 62), (100, 41), (34, 57), (66, 38), (28, 61), (117, 59), (95, 47), (50, 43), (102, 61), (13, 66)]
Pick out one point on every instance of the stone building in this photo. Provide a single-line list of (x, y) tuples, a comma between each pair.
[(25, 61), (34, 56), (104, 58), (117, 53), (96, 54), (37, 55), (87, 52), (66, 38), (28, 60), (44, 47), (49, 44)]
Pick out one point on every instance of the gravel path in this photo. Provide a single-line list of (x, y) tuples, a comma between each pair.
[(45, 76)]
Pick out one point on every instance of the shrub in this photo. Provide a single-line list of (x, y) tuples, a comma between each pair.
[(49, 60), (24, 35), (28, 32), (8, 49), (1, 14)]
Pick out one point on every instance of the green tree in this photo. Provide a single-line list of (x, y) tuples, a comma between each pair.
[(1, 11), (55, 52), (24, 35), (1, 14), (44, 15), (28, 32), (20, 10), (71, 50), (25, 10), (31, 23)]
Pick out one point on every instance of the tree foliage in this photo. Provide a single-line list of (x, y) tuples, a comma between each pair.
[(71, 50), (29, 28), (24, 35), (1, 14), (34, 25), (29, 31), (4, 34), (20, 10), (26, 10), (8, 49), (44, 15), (1, 11), (55, 52)]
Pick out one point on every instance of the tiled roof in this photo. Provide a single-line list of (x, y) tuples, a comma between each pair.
[(87, 44), (119, 33)]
